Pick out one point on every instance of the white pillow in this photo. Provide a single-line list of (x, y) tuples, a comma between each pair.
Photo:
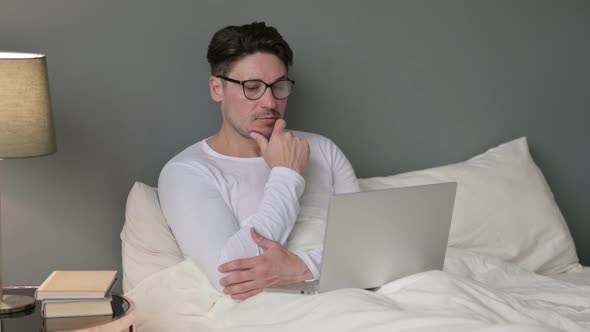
[(148, 245), (503, 208)]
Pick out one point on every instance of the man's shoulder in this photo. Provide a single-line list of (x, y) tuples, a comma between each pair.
[(313, 138), (192, 155)]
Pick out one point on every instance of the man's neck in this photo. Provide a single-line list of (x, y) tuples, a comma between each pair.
[(234, 145)]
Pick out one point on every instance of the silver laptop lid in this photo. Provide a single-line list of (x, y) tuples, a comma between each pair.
[(375, 237)]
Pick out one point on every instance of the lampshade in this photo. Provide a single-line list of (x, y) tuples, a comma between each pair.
[(26, 123)]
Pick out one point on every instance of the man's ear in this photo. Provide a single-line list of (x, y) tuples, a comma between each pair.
[(216, 88)]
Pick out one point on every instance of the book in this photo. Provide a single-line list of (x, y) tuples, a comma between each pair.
[(73, 323), (69, 308), (77, 285)]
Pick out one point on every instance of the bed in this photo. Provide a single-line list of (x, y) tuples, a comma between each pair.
[(511, 265)]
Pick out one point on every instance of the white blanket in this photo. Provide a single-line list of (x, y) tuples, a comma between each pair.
[(475, 293)]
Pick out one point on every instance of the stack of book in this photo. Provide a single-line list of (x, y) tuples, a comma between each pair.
[(70, 297)]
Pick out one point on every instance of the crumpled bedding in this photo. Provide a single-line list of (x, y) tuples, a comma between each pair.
[(576, 277), (473, 293)]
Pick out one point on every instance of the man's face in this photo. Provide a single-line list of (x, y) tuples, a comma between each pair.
[(240, 114)]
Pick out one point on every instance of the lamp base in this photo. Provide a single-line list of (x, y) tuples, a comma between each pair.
[(16, 303)]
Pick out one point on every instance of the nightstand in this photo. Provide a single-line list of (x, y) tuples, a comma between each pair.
[(123, 318)]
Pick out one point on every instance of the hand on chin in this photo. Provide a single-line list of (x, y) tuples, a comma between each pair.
[(265, 126), (265, 131)]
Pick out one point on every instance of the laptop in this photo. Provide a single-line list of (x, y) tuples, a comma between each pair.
[(375, 237)]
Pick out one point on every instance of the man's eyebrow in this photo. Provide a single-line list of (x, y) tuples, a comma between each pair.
[(282, 77)]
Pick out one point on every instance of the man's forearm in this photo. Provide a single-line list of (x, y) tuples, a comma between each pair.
[(280, 205), (274, 219)]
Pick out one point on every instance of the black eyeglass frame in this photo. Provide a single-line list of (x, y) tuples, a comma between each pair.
[(243, 83)]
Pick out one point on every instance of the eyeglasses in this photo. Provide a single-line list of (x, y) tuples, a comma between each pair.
[(254, 89)]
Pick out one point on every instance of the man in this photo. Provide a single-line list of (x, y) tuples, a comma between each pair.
[(231, 200)]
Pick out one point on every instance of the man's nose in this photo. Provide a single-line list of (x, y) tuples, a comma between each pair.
[(268, 100)]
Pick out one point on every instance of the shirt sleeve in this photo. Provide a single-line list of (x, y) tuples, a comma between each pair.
[(204, 225), (313, 259), (344, 178)]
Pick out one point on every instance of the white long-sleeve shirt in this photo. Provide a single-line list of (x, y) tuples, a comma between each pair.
[(212, 200)]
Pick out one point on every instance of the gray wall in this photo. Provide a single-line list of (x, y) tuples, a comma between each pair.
[(399, 85)]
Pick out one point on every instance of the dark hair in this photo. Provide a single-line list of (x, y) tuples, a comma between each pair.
[(232, 43)]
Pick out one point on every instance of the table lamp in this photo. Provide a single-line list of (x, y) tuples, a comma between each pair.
[(26, 128)]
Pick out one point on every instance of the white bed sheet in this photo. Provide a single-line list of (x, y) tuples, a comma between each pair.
[(475, 293), (579, 278)]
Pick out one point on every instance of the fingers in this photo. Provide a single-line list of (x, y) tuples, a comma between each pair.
[(242, 285), (243, 296), (260, 140), (260, 277), (283, 148), (237, 278), (241, 288), (238, 264), (280, 125), (248, 288)]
